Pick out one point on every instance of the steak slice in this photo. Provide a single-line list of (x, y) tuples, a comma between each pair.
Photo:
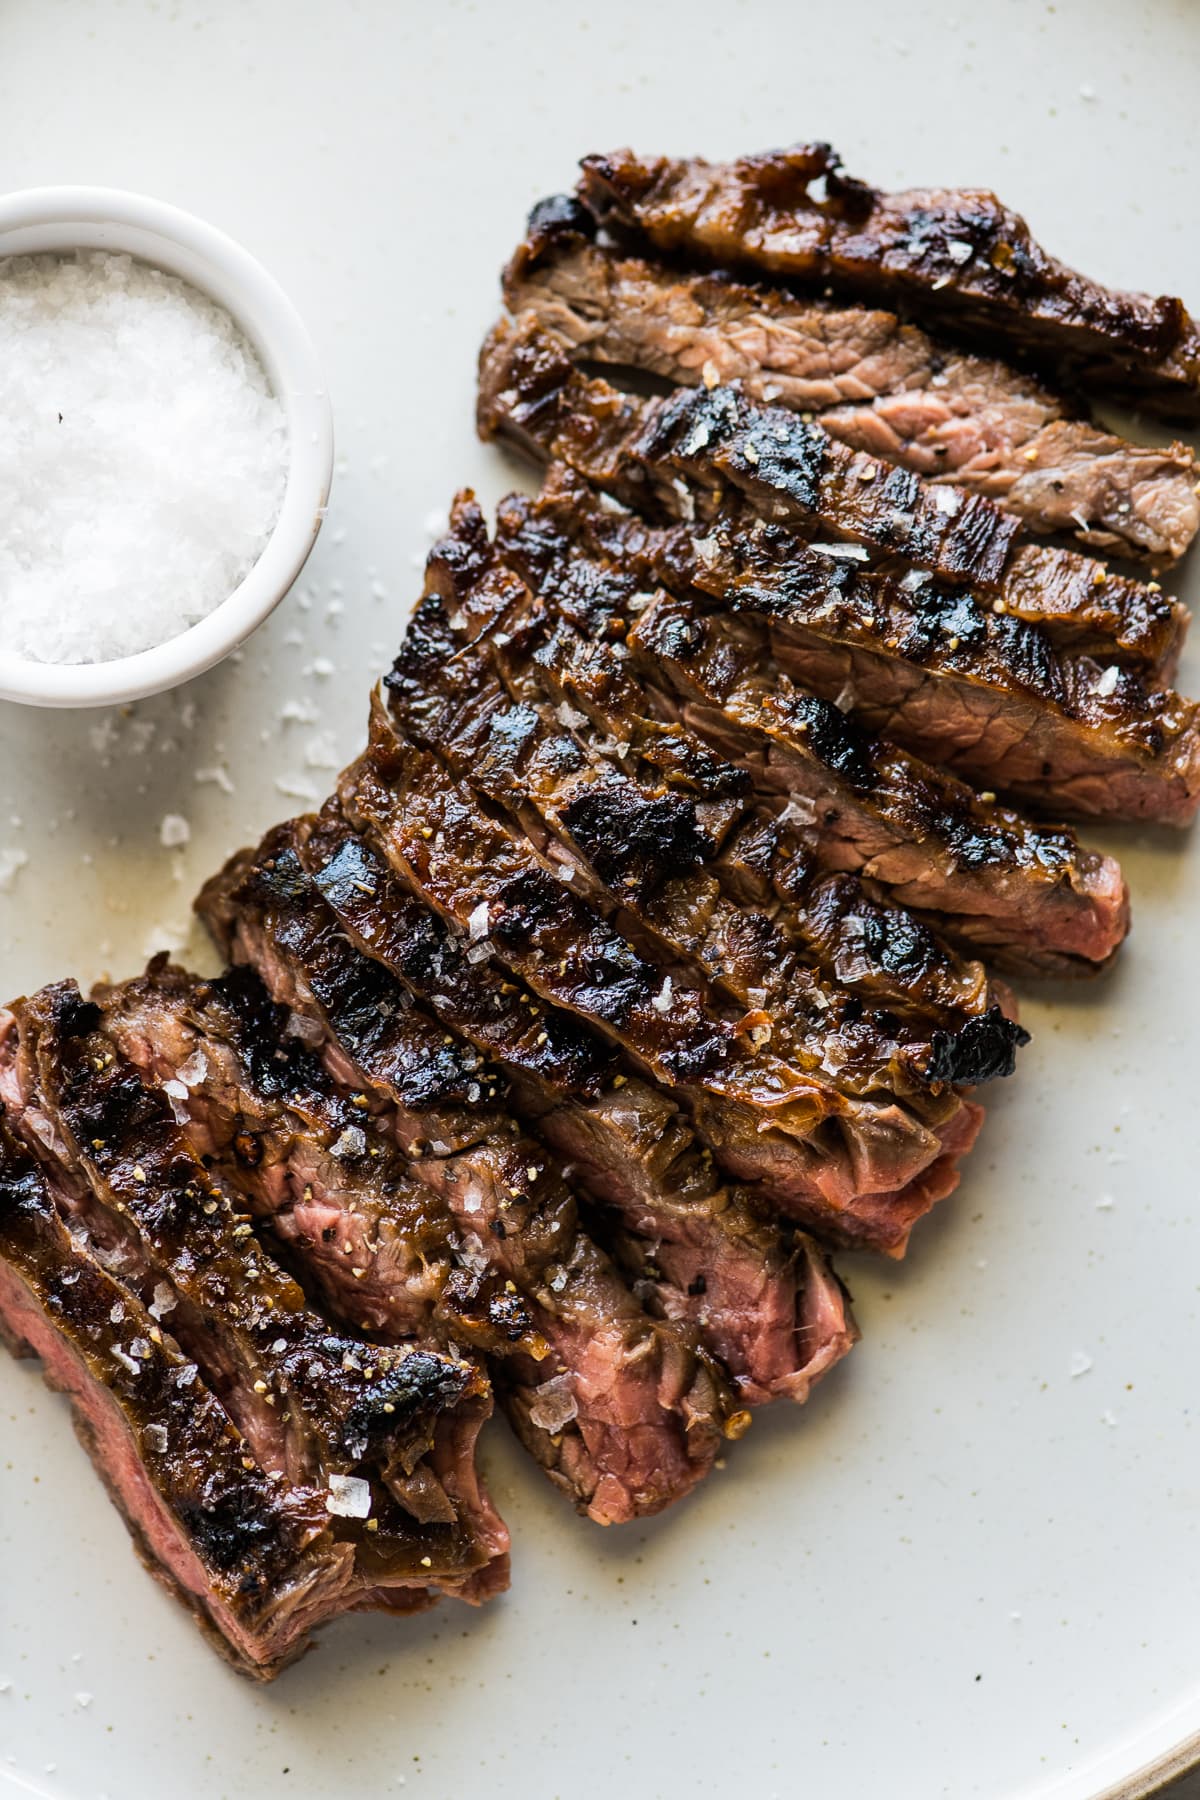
[(692, 799), (699, 455), (258, 1562), (698, 1249), (339, 1421), (956, 255), (631, 836), (1029, 897), (625, 1412), (870, 380), (338, 1194), (821, 1158)]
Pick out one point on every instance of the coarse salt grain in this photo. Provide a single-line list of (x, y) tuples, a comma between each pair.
[(143, 456), (349, 1496), (174, 831), (12, 861)]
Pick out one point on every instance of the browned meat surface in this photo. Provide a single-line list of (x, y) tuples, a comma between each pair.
[(1029, 897), (267, 1465), (824, 1158), (948, 675), (870, 380), (679, 803), (696, 1247), (956, 255), (625, 1412), (627, 832), (339, 1194), (691, 454)]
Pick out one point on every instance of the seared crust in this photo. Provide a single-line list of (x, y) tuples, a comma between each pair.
[(956, 255), (871, 380), (644, 1408), (960, 680), (760, 1295), (1028, 897)]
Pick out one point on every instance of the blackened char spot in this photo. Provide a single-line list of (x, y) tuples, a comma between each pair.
[(526, 902), (628, 838), (419, 1384), (560, 215), (691, 421), (73, 1016), (781, 452), (590, 595), (981, 1050), (235, 1530), (834, 740), (941, 618), (898, 943)]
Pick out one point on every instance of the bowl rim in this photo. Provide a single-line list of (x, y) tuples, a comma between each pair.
[(131, 223)]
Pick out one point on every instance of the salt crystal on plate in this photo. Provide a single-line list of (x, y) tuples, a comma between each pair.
[(12, 861), (1081, 1362), (215, 777), (143, 458), (174, 831)]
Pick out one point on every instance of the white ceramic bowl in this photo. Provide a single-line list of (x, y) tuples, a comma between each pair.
[(71, 218)]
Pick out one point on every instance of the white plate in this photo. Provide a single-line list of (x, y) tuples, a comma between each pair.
[(961, 1571)]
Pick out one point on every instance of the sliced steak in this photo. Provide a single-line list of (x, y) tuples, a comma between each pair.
[(760, 854), (871, 381), (330, 1416), (259, 1562), (625, 1412), (699, 1249), (1028, 897), (630, 835), (820, 1157), (700, 455), (309, 1401), (257, 1099), (950, 254)]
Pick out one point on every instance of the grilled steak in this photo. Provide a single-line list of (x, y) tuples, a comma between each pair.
[(871, 381), (682, 807), (345, 1431), (702, 455), (625, 1412), (952, 254), (1028, 897), (821, 1157), (628, 833), (338, 1194), (698, 1249), (949, 676), (258, 1561)]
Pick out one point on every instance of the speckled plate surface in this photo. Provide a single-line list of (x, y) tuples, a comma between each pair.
[(963, 1570)]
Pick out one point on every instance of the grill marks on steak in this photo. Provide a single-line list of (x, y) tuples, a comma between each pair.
[(643, 837), (851, 1168), (767, 1303), (697, 1248), (1028, 897), (624, 1411), (689, 454), (955, 255), (337, 1193), (872, 382), (236, 1410), (952, 678), (764, 857), (205, 1517)]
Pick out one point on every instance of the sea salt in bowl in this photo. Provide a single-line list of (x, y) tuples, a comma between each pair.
[(64, 220)]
